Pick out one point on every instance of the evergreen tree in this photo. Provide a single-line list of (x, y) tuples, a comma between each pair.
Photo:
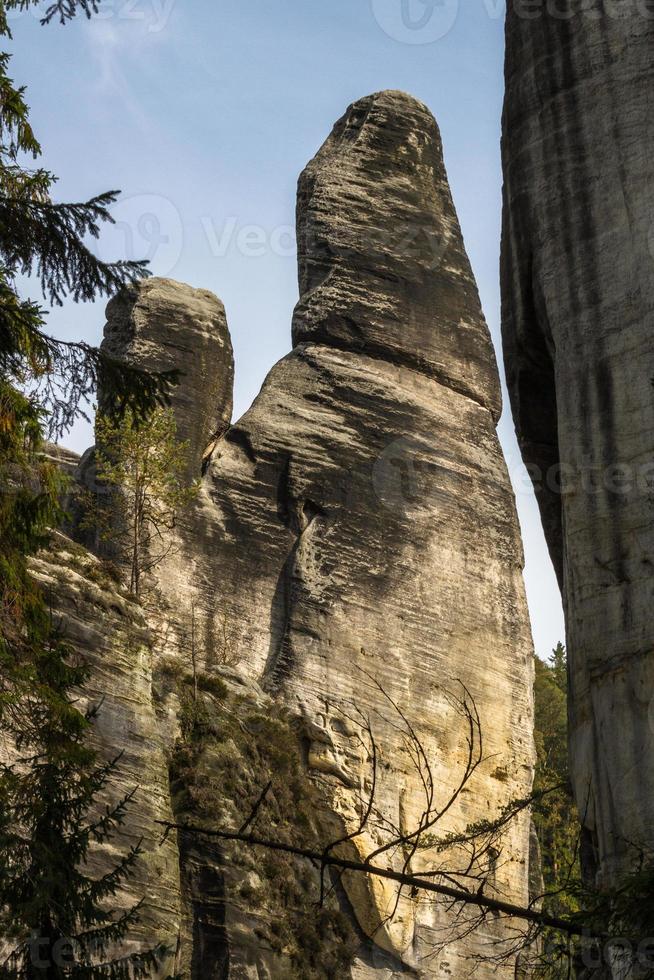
[(54, 914), (47, 238), (41, 236), (45, 798), (556, 819), (624, 911), (558, 666), (142, 465), (28, 506)]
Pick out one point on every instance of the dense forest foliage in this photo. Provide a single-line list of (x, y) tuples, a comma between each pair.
[(556, 819)]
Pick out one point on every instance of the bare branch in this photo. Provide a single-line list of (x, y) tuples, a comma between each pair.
[(364, 867), (255, 809)]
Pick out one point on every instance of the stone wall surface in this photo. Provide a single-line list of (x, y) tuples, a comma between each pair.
[(353, 554), (578, 303)]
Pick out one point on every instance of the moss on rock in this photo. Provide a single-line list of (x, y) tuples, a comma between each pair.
[(230, 748)]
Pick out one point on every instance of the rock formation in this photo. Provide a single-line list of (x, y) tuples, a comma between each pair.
[(163, 325), (578, 303), (360, 479), (111, 632), (354, 554)]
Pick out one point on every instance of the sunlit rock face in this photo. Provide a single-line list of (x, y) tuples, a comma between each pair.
[(382, 266), (132, 729), (354, 558), (163, 325), (578, 304), (357, 524)]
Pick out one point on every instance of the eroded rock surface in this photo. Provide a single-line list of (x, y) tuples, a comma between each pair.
[(162, 325), (111, 632), (354, 553), (382, 266), (357, 524), (578, 304)]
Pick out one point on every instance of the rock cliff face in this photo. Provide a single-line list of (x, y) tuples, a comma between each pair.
[(360, 479), (578, 302), (354, 554), (112, 633)]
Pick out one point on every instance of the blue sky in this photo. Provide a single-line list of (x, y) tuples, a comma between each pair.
[(204, 113)]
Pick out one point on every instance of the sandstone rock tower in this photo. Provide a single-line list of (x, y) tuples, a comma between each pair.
[(159, 324), (578, 303), (354, 553)]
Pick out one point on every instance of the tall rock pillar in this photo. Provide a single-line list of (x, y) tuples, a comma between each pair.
[(358, 524), (353, 557), (578, 309)]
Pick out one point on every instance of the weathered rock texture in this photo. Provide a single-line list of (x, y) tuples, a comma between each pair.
[(111, 631), (356, 527), (359, 519), (163, 325), (578, 306)]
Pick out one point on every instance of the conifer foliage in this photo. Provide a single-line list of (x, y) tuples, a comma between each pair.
[(557, 822), (49, 239), (56, 920), (142, 466)]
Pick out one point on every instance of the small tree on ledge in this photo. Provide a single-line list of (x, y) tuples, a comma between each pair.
[(144, 465)]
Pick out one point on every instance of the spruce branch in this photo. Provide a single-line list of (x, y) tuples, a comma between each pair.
[(62, 10), (47, 238)]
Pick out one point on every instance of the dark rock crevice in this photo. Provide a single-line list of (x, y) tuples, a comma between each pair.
[(204, 895)]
